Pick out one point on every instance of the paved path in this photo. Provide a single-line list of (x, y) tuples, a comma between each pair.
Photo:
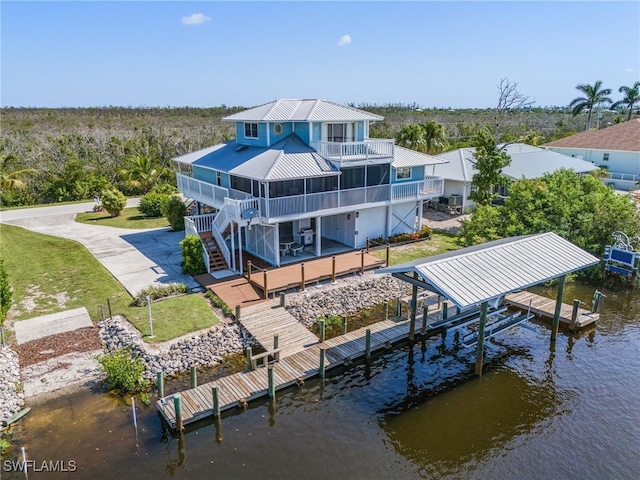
[(136, 258)]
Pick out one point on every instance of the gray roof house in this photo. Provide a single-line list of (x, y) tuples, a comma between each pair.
[(526, 162)]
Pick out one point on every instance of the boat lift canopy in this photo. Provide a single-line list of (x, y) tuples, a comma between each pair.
[(485, 273)]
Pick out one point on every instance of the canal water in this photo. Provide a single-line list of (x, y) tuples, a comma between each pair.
[(569, 412)]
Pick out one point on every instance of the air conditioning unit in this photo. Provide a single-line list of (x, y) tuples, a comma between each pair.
[(455, 200)]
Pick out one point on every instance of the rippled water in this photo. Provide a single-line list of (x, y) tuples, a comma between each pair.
[(572, 412)]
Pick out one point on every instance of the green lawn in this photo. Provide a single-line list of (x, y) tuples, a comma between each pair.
[(129, 218), (51, 274), (438, 243)]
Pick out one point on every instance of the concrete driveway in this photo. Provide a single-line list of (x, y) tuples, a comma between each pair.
[(136, 258)]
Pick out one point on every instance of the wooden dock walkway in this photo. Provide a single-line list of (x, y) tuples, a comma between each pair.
[(268, 319), (545, 307), (197, 403)]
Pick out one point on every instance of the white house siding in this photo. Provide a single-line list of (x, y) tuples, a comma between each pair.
[(261, 241), (340, 228), (403, 218), (371, 223)]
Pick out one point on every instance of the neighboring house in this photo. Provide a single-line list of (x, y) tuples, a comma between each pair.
[(617, 148), (526, 162), (302, 180)]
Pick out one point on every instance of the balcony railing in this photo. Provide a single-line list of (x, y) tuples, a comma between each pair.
[(203, 192), (428, 188), (355, 151)]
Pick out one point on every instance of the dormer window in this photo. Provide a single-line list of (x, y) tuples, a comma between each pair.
[(250, 130)]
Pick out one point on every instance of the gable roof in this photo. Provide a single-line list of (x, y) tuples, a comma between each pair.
[(486, 272), (288, 159), (526, 161), (292, 110), (623, 136)]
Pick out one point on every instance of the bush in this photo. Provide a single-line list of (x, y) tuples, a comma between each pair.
[(113, 201), (152, 204), (165, 189), (217, 302), (5, 293), (192, 258), (175, 211), (124, 371), (161, 291)]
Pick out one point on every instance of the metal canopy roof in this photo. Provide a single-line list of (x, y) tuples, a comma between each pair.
[(297, 110), (486, 272)]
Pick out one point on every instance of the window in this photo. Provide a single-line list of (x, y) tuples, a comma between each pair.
[(219, 178), (352, 178), (250, 130), (337, 132), (242, 184), (377, 175), (403, 172), (605, 157), (322, 184)]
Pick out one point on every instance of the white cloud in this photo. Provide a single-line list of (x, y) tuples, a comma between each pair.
[(195, 19), (344, 40)]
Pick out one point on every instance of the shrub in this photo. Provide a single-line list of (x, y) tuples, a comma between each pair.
[(160, 291), (175, 211), (152, 204), (217, 302), (5, 293), (124, 371), (113, 201), (165, 189), (192, 258)]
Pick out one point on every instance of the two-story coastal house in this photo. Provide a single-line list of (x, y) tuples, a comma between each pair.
[(303, 179)]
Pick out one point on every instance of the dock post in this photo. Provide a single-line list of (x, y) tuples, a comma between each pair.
[(194, 377), (596, 301), (321, 370), (574, 315), (266, 289), (367, 343), (249, 271), (344, 325), (556, 315), (439, 301), (414, 305), (177, 405), (302, 276), (160, 384), (387, 256), (249, 354), (215, 393), (283, 300), (425, 314), (276, 341), (398, 307), (238, 313), (361, 262), (386, 309), (333, 269), (321, 328), (480, 346), (272, 385), (445, 310)]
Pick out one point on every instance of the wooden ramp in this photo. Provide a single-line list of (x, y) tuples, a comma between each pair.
[(197, 403), (267, 319), (545, 307)]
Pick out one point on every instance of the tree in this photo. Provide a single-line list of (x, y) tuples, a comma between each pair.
[(175, 210), (5, 293), (142, 173), (12, 180), (113, 201), (631, 97), (192, 257), (594, 95), (489, 161), (435, 137), (509, 99), (413, 137)]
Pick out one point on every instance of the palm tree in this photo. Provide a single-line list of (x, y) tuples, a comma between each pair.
[(435, 137), (594, 95), (12, 180), (413, 137), (631, 97), (142, 172)]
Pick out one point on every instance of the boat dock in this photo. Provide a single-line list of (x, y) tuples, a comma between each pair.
[(545, 307)]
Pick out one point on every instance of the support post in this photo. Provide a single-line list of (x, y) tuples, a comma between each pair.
[(302, 276), (333, 269), (367, 343), (249, 354), (194, 377), (238, 313), (425, 315), (574, 314), (249, 271), (398, 307), (321, 329), (556, 315), (322, 355), (386, 309), (414, 304), (361, 262), (272, 385), (439, 302), (283, 300), (160, 383), (387, 256), (596, 301), (215, 393), (445, 310), (276, 341), (480, 345), (177, 405), (266, 289), (344, 325)]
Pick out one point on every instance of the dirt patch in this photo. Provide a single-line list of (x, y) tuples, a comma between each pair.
[(78, 341), (33, 300)]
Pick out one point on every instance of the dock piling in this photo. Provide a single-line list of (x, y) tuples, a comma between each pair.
[(344, 325), (283, 300), (302, 276), (215, 393), (322, 361), (480, 346), (194, 377), (177, 405), (333, 269), (272, 386), (238, 313), (556, 315), (321, 328), (265, 289), (249, 354), (160, 384), (425, 315), (367, 343), (276, 341), (596, 301)]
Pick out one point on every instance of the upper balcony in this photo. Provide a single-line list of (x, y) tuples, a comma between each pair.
[(344, 152)]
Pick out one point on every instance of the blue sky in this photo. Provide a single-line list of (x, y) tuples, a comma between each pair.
[(201, 54)]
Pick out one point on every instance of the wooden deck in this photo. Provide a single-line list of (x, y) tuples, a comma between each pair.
[(545, 307), (197, 403)]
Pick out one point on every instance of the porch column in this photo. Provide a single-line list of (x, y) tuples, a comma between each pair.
[(480, 346), (389, 219), (420, 210), (556, 315), (240, 249), (318, 237), (277, 243), (233, 249)]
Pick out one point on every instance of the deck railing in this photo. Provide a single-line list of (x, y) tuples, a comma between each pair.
[(191, 228), (428, 188), (627, 177), (203, 192), (355, 151)]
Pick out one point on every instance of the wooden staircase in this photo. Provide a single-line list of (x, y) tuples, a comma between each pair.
[(216, 259)]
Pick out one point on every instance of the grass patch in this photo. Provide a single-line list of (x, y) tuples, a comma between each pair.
[(130, 218), (440, 242), (50, 274)]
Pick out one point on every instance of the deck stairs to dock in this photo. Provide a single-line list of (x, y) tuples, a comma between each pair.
[(267, 319), (216, 259)]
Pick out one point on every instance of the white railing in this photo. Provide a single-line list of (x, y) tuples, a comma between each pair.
[(428, 188), (202, 223), (191, 228), (218, 226), (355, 151), (203, 192), (627, 177)]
